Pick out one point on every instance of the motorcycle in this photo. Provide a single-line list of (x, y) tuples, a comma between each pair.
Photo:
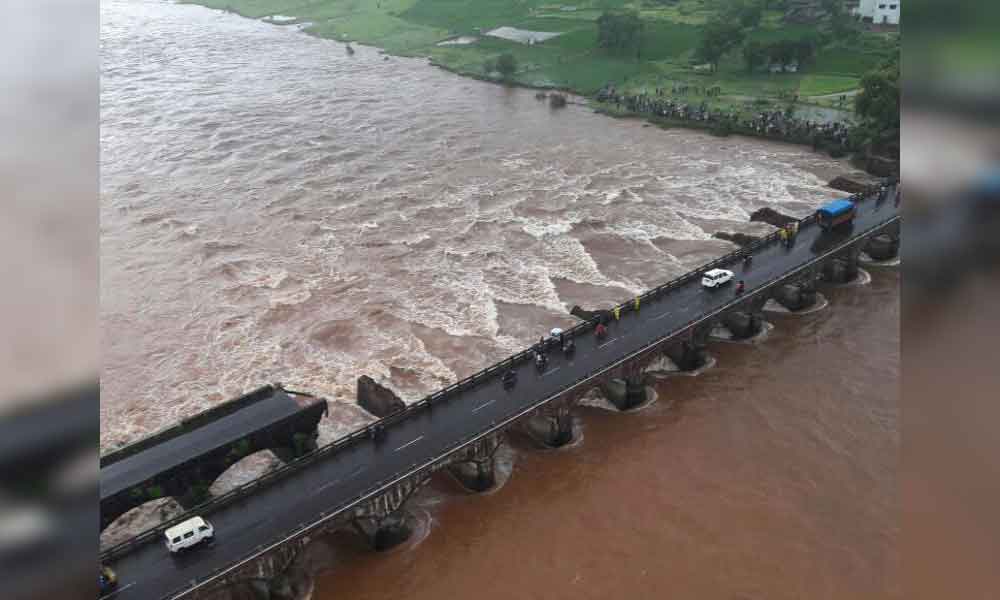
[(509, 379)]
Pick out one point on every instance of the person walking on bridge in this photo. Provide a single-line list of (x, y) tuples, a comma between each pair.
[(617, 311), (636, 305), (783, 235)]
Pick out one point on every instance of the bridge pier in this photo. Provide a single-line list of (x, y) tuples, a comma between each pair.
[(383, 520), (799, 295), (552, 425), (475, 465), (268, 577), (844, 268), (747, 320), (625, 393), (884, 245), (690, 354), (391, 531), (376, 398)]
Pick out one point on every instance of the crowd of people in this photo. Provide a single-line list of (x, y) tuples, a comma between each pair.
[(770, 123)]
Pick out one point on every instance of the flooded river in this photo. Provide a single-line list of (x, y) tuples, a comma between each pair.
[(274, 209)]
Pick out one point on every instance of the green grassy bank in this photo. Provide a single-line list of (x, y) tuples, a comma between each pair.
[(573, 60)]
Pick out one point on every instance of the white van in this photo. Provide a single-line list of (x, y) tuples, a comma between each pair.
[(713, 278), (189, 533)]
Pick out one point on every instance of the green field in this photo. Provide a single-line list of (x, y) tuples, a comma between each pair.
[(572, 60)]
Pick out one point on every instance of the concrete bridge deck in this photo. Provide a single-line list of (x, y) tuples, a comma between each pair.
[(360, 468)]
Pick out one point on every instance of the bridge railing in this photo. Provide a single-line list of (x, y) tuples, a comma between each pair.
[(428, 401)]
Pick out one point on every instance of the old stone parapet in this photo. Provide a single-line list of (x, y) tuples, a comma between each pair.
[(377, 399)]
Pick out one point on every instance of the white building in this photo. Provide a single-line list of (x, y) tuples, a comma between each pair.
[(880, 12)]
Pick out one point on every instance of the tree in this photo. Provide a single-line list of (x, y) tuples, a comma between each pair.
[(507, 65), (805, 50), (719, 37), (749, 13), (877, 106), (620, 31), (842, 24), (754, 55), (782, 52)]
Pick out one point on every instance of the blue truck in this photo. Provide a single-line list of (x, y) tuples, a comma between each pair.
[(836, 213)]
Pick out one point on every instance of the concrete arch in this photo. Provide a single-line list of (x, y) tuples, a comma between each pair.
[(244, 470), (139, 518)]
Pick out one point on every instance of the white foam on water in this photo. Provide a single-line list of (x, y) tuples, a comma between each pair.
[(776, 307), (863, 278), (595, 398), (723, 334), (391, 177), (541, 230), (567, 258), (677, 228), (871, 262), (664, 368)]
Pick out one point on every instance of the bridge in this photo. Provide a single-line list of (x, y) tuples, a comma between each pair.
[(364, 479), (182, 461)]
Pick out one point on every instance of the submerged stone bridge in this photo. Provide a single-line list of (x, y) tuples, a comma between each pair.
[(182, 461)]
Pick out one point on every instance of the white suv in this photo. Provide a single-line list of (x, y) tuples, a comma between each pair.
[(713, 278), (189, 533)]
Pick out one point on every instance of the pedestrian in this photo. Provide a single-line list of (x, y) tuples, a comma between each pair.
[(617, 311), (783, 234), (637, 304)]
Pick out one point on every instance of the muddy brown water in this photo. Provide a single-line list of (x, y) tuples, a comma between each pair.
[(276, 210)]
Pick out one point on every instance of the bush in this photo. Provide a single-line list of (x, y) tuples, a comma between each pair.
[(507, 65), (722, 128)]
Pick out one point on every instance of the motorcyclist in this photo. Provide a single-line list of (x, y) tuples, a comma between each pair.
[(739, 287), (540, 361), (747, 258), (509, 377), (569, 347), (600, 331)]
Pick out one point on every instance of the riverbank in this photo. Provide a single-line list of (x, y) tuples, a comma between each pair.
[(556, 48)]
